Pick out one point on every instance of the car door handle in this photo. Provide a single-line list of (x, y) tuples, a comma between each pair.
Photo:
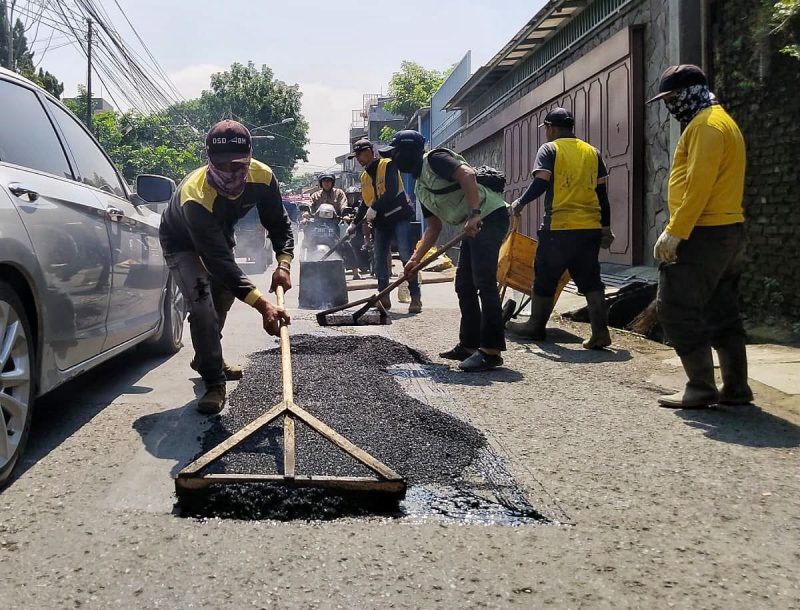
[(115, 214), (21, 191)]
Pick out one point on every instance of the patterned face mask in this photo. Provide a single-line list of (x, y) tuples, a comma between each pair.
[(689, 101), (228, 184)]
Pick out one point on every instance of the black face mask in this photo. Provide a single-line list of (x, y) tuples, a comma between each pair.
[(407, 161)]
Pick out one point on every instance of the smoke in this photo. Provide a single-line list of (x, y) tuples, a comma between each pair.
[(322, 283), (316, 254)]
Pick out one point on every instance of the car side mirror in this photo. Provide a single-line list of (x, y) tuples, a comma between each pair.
[(153, 189)]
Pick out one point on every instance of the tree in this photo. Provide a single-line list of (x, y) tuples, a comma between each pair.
[(412, 88), (144, 144), (387, 133), (22, 56), (786, 19), (254, 97)]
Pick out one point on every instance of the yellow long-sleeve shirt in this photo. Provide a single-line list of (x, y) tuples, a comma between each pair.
[(706, 184)]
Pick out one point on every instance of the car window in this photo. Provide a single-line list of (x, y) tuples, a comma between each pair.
[(93, 166), (27, 137)]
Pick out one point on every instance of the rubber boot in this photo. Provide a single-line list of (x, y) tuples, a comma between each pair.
[(535, 327), (213, 400), (598, 317), (415, 306), (386, 301), (700, 390), (733, 366)]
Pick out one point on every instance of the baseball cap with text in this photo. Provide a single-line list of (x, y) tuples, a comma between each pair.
[(228, 141)]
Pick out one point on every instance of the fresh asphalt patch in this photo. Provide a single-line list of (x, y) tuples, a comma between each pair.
[(351, 383)]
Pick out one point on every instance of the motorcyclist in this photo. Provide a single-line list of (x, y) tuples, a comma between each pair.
[(328, 194)]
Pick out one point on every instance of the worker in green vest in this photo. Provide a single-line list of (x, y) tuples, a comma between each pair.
[(449, 192), (576, 224)]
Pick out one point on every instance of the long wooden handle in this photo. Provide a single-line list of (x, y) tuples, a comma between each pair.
[(288, 394), (286, 353), (419, 266)]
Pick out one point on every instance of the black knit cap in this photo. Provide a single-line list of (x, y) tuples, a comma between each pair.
[(679, 77)]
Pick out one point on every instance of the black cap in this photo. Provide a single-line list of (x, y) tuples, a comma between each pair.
[(559, 117), (360, 145), (228, 141), (679, 77), (407, 139)]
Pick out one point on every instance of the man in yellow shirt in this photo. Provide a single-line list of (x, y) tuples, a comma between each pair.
[(701, 249), (576, 224)]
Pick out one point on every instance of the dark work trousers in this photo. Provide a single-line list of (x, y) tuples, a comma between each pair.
[(698, 296), (573, 250), (208, 305), (476, 285), (400, 232)]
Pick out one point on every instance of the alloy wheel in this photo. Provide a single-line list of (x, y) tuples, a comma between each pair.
[(15, 381)]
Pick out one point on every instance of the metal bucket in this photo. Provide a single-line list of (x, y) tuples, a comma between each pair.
[(322, 284)]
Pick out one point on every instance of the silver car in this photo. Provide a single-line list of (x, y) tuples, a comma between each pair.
[(82, 275)]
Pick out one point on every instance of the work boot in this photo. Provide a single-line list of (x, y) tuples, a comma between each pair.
[(233, 372), (386, 301), (598, 318), (535, 326), (733, 366), (700, 390), (213, 400), (415, 306)]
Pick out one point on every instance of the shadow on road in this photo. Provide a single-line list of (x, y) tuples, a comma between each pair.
[(61, 413), (554, 349), (749, 426)]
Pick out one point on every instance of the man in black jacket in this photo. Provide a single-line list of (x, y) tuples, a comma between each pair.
[(197, 236), (385, 205)]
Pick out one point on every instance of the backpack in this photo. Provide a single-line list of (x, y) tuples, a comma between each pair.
[(493, 179)]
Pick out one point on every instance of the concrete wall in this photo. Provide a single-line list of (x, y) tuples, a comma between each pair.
[(758, 86), (661, 49)]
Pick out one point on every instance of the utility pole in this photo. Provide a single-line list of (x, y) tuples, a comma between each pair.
[(89, 105)]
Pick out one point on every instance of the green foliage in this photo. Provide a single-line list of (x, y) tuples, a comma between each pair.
[(254, 97), (786, 21), (412, 88), (387, 133), (144, 144), (22, 56), (301, 180)]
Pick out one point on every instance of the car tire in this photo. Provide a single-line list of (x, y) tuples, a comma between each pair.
[(170, 341), (17, 380)]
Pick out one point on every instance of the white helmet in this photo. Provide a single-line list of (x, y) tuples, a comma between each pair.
[(326, 210)]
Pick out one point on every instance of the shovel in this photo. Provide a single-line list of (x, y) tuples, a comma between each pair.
[(374, 300)]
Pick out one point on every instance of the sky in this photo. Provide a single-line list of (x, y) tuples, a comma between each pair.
[(335, 51)]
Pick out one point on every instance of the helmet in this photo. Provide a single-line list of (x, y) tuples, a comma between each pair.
[(330, 177), (326, 210), (408, 138)]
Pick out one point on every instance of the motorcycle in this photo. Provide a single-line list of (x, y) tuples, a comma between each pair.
[(320, 232)]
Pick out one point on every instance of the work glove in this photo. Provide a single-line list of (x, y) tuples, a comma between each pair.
[(606, 238), (370, 215), (351, 228), (666, 248), (517, 206), (281, 277)]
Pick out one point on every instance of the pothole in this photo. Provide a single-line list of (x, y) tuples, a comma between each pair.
[(381, 396)]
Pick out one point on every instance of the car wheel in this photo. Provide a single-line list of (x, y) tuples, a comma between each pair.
[(171, 339), (17, 380)]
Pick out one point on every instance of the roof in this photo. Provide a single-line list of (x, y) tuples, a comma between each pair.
[(421, 113), (551, 18)]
